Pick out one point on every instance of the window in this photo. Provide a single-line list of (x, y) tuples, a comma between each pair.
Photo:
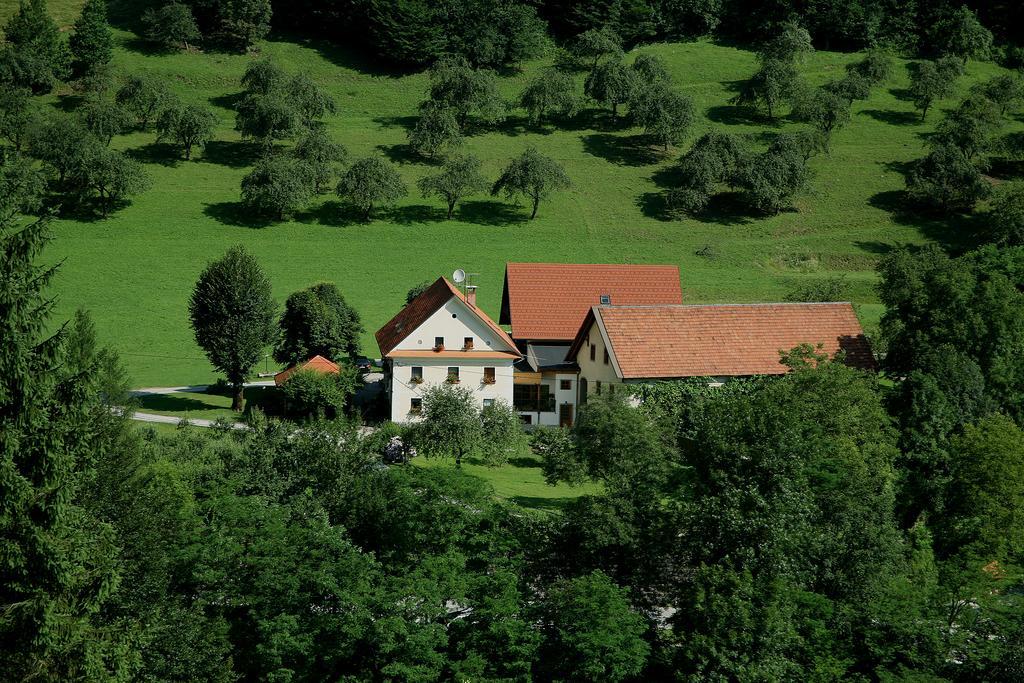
[(416, 375), (415, 406), (526, 419), (488, 402), (606, 356), (606, 299), (489, 376), (439, 343), (593, 352), (453, 375), (533, 398), (565, 384), (467, 343)]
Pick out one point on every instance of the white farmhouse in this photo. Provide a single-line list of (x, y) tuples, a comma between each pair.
[(442, 337)]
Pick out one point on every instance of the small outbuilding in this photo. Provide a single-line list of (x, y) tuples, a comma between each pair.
[(314, 364)]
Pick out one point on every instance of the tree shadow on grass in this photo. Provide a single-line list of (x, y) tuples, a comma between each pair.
[(235, 213), (542, 504), (1006, 169), (169, 403), (406, 122), (524, 461), (231, 154), (416, 213), (405, 154), (147, 48), (229, 101), (736, 115), (727, 208), (623, 150), (893, 118), (68, 103), (491, 212), (956, 232), (161, 153), (902, 94), (345, 56), (875, 246)]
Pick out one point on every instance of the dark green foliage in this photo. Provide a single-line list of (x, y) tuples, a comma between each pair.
[(772, 85), (559, 461), (232, 315), (108, 175), (824, 109), (715, 159), (853, 86), (263, 77), (1006, 221), (322, 155), (309, 99), (60, 142), (611, 83), (829, 289), (91, 43), (590, 47), (188, 126), (961, 34), (551, 91), (459, 177), (277, 187), (266, 118), (317, 321), (145, 97), (104, 118), (309, 394), (369, 183), (436, 127), (451, 426), (502, 434), (417, 290), (237, 24), (35, 56), (468, 91), (930, 81), (791, 44), (531, 175), (1005, 90), (591, 632), (770, 181), (972, 127), (650, 70), (946, 181), (876, 66), (21, 187), (665, 115), (172, 26), (14, 114)]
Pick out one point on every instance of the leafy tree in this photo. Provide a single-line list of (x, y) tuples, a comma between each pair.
[(666, 116), (369, 183), (963, 35), (773, 84), (972, 127), (310, 394), (436, 127), (60, 142), (650, 70), (451, 423), (1005, 90), (591, 632), (171, 25), (21, 187), (232, 314), (946, 181), (104, 118), (551, 90), (416, 291), (823, 109), (317, 321), (60, 569), (494, 33), (503, 435), (532, 175), (264, 77), (277, 187), (930, 81), (459, 177), (145, 97), (265, 118), (108, 174), (791, 44), (187, 125), (309, 99), (771, 179), (36, 56), (559, 461), (14, 114), (828, 289), (714, 159), (876, 66), (611, 83), (1007, 217), (853, 86), (322, 155), (240, 24), (594, 45), (689, 19), (91, 43), (470, 92)]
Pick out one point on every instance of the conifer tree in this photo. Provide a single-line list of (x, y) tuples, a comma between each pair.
[(91, 44)]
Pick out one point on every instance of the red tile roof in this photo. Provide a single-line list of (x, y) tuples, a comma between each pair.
[(422, 307), (548, 301), (725, 339), (316, 364)]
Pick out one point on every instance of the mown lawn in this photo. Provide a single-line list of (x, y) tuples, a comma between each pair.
[(135, 269)]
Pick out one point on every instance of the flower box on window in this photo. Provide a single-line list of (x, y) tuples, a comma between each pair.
[(416, 380), (452, 379)]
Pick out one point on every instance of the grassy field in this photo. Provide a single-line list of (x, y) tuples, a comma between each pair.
[(135, 269)]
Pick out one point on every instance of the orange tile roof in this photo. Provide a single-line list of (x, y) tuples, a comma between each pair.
[(460, 355), (725, 339), (316, 364), (548, 301), (422, 307)]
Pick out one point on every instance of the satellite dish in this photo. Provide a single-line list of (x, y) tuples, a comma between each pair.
[(459, 276)]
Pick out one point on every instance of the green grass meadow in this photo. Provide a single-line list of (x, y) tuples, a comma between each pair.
[(134, 270)]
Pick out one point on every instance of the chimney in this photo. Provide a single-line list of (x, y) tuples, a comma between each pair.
[(471, 295)]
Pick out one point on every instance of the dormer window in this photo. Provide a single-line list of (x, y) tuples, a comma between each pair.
[(606, 299)]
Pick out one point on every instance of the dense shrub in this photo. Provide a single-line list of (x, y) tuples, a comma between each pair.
[(311, 394)]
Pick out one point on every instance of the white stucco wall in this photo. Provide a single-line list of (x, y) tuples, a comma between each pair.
[(595, 371)]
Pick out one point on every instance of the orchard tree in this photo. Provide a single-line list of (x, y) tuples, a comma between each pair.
[(107, 173), (145, 97), (593, 45), (1005, 90), (876, 66), (551, 90), (930, 81), (972, 127), (503, 435), (266, 118), (772, 85), (470, 92), (59, 141), (317, 321), (371, 182), (416, 290), (791, 44), (105, 118), (665, 115), (264, 77), (310, 100), (946, 181), (824, 109), (322, 155), (650, 70), (1006, 220), (91, 43), (459, 177), (715, 159), (853, 86), (436, 127), (771, 180), (240, 24), (611, 83), (277, 187), (963, 36), (450, 424), (232, 313), (14, 114), (531, 175), (187, 125), (171, 26), (36, 56)]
